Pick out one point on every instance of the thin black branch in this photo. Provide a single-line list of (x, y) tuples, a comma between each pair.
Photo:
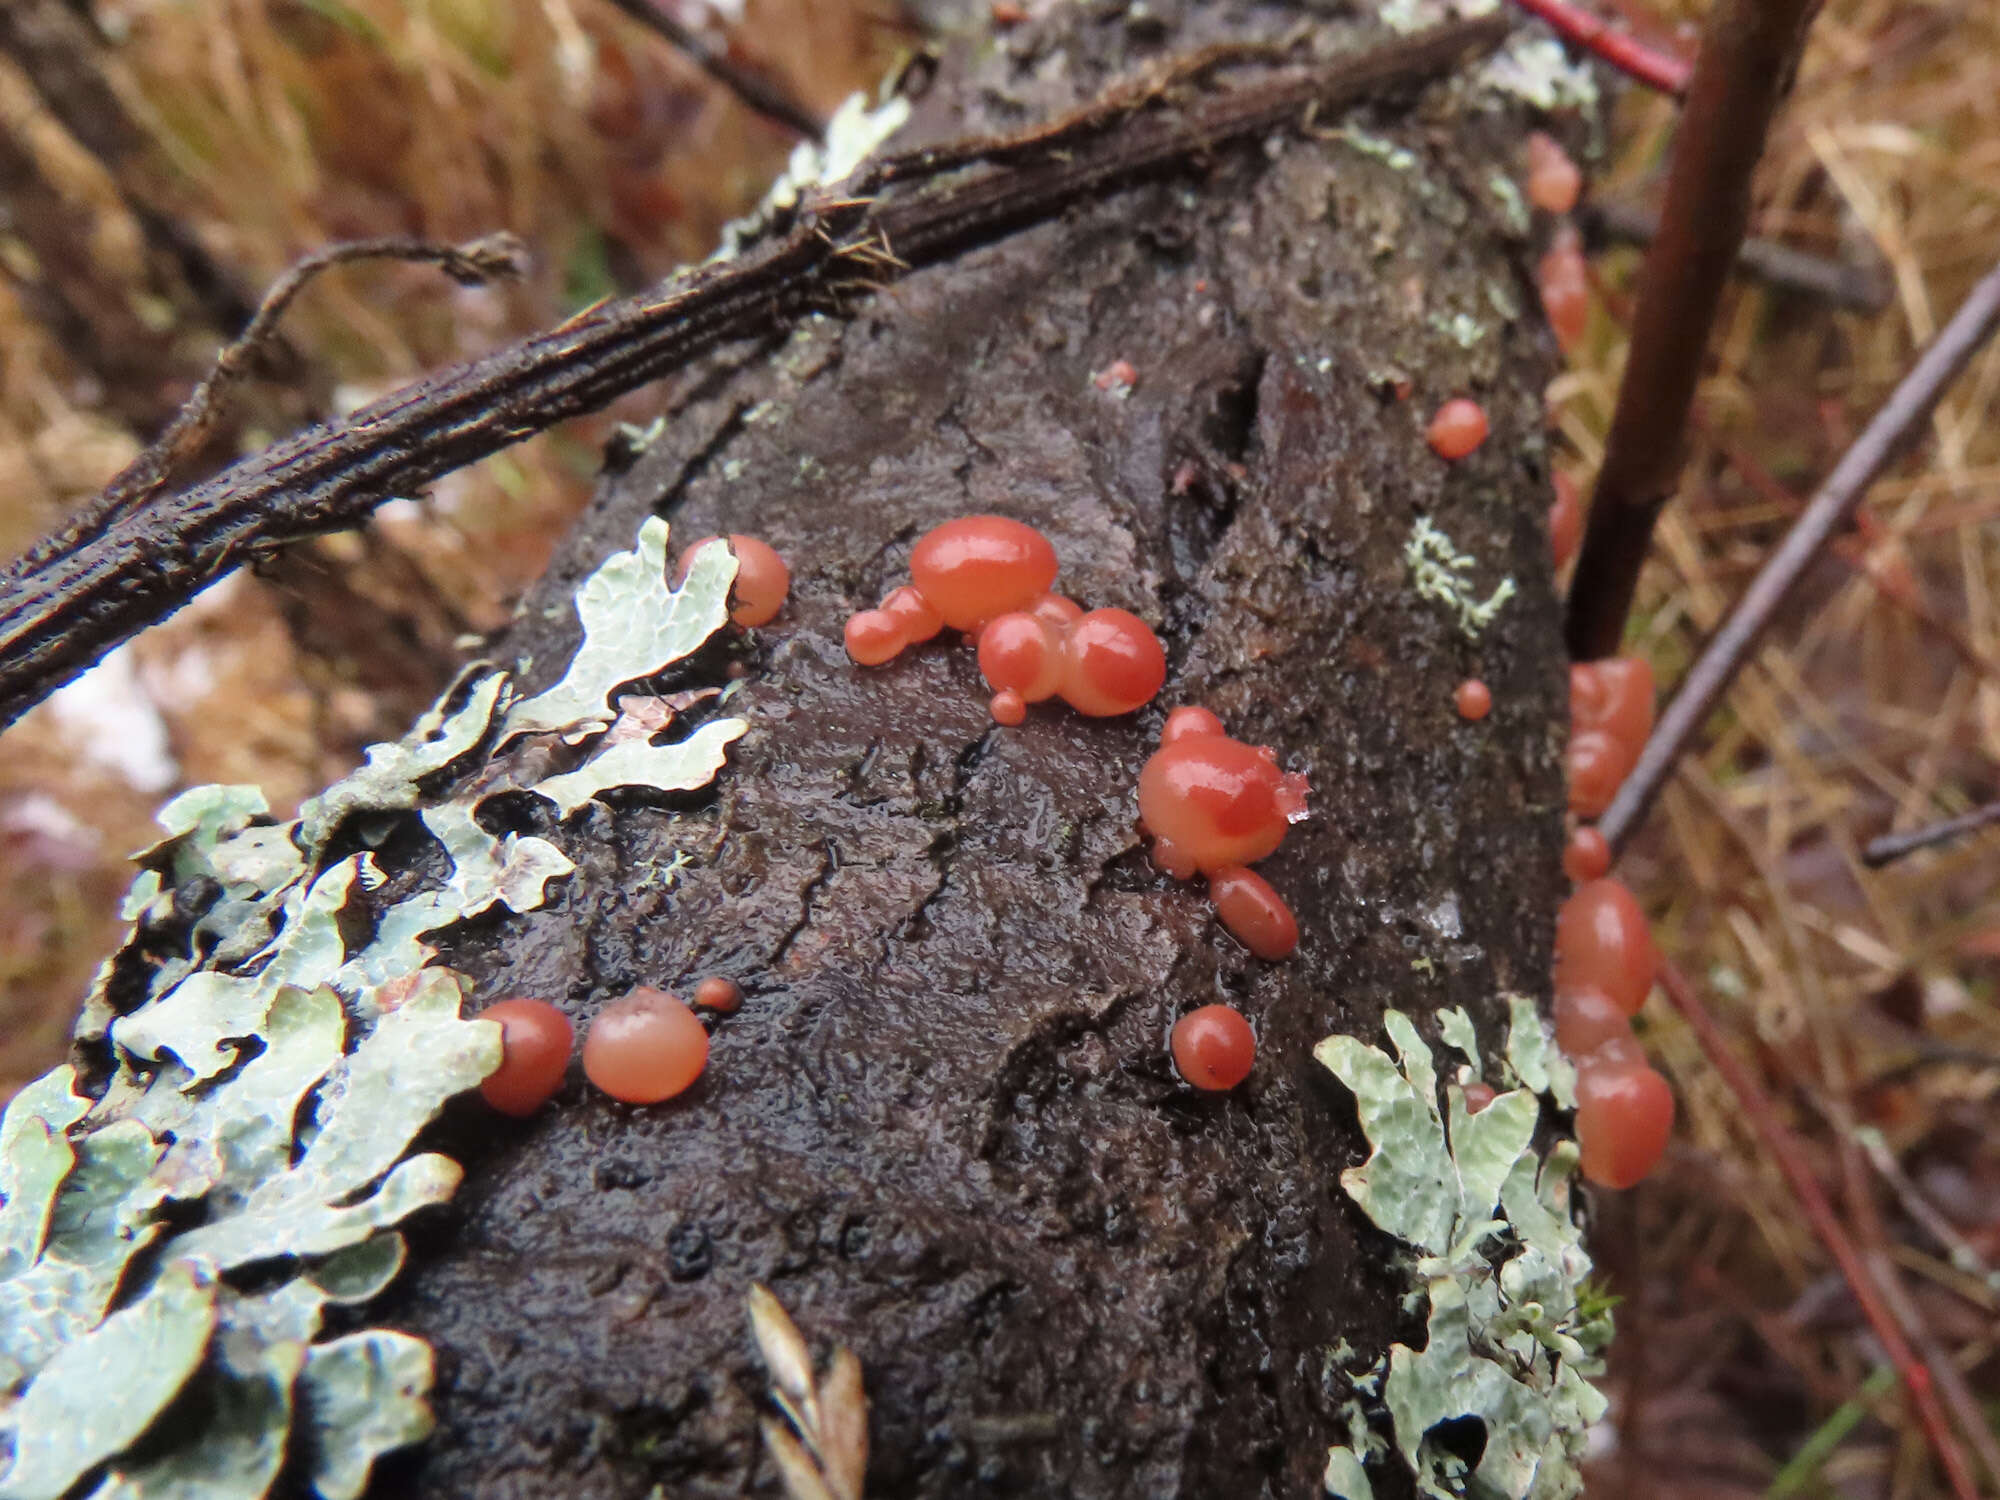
[(1900, 418), (1893, 846), (754, 93), (85, 591), (1839, 282), (1748, 54), (471, 264)]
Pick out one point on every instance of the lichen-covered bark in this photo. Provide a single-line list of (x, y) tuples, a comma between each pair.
[(944, 1127)]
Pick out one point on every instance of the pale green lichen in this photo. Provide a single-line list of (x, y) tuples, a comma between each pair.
[(1499, 1264), (1437, 573), (272, 1077), (1532, 1058), (1455, 1026)]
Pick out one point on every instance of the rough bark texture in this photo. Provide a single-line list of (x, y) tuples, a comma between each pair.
[(944, 1127)]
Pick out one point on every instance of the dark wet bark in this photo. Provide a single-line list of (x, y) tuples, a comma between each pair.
[(944, 1127)]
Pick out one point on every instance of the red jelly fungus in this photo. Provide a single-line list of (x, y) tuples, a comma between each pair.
[(1190, 722), (1171, 860), (1602, 941), (1554, 183), (535, 1041), (913, 613), (1115, 664), (1256, 915), (1474, 699), (723, 996), (1615, 695), (762, 579), (1565, 520), (1213, 1048), (1022, 653), (1058, 611), (1624, 1115), (1564, 283), (1587, 856), (1478, 1096), (977, 567), (1598, 764), (873, 637), (1008, 708), (1217, 800), (645, 1048), (1457, 429), (1621, 1051), (1586, 1018)]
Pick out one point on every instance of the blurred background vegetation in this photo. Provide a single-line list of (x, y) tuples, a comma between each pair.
[(244, 133)]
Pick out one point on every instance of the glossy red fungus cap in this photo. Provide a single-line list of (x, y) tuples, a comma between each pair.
[(977, 567), (762, 578), (1602, 942), (1614, 695), (873, 636), (1022, 653), (1554, 183), (1474, 699), (1586, 856), (1213, 1048), (1190, 722), (1565, 520), (1217, 800), (1478, 1096), (1057, 610), (723, 996), (1115, 664), (913, 613), (1008, 707), (1173, 861), (645, 1048), (1586, 1018), (1597, 764), (1564, 282), (1255, 914), (535, 1041), (1458, 428), (1624, 1115)]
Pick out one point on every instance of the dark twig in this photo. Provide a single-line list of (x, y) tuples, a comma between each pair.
[(1840, 282), (1629, 55), (1906, 410), (754, 93), (1891, 847), (1748, 54), (1812, 1200), (471, 264), (79, 595)]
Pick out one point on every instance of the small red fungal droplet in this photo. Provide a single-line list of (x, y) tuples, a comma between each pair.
[(1117, 376), (1255, 914), (1598, 764), (1624, 1114), (645, 1048), (1564, 282), (724, 996), (913, 613), (1213, 1048), (1190, 722), (1457, 429), (1478, 1096), (535, 1041), (1024, 653), (1058, 611), (1603, 942), (1614, 695), (1474, 699), (1587, 856), (1008, 707), (873, 637), (1115, 664), (762, 578), (1621, 1051), (1586, 1018), (1565, 520), (976, 567), (1217, 800), (1007, 13), (1554, 183), (1172, 860)]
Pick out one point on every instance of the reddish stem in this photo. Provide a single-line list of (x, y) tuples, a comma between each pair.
[(1826, 1224), (1630, 56)]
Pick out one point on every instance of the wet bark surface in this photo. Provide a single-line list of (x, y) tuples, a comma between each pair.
[(944, 1128)]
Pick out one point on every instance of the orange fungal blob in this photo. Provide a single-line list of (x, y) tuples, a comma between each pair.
[(1602, 942), (645, 1048), (1565, 520), (1058, 611), (913, 613), (1008, 708), (1190, 722), (1022, 653), (1171, 860), (874, 636), (1554, 183), (1586, 856), (1218, 801), (1474, 699), (1255, 914), (1213, 1048), (1478, 1096), (1624, 1115), (762, 579), (1115, 664), (535, 1041), (1586, 1018), (1614, 695), (1457, 429), (976, 567), (1597, 765), (1564, 282), (723, 996)]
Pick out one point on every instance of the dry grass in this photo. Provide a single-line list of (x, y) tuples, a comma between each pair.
[(1865, 998)]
